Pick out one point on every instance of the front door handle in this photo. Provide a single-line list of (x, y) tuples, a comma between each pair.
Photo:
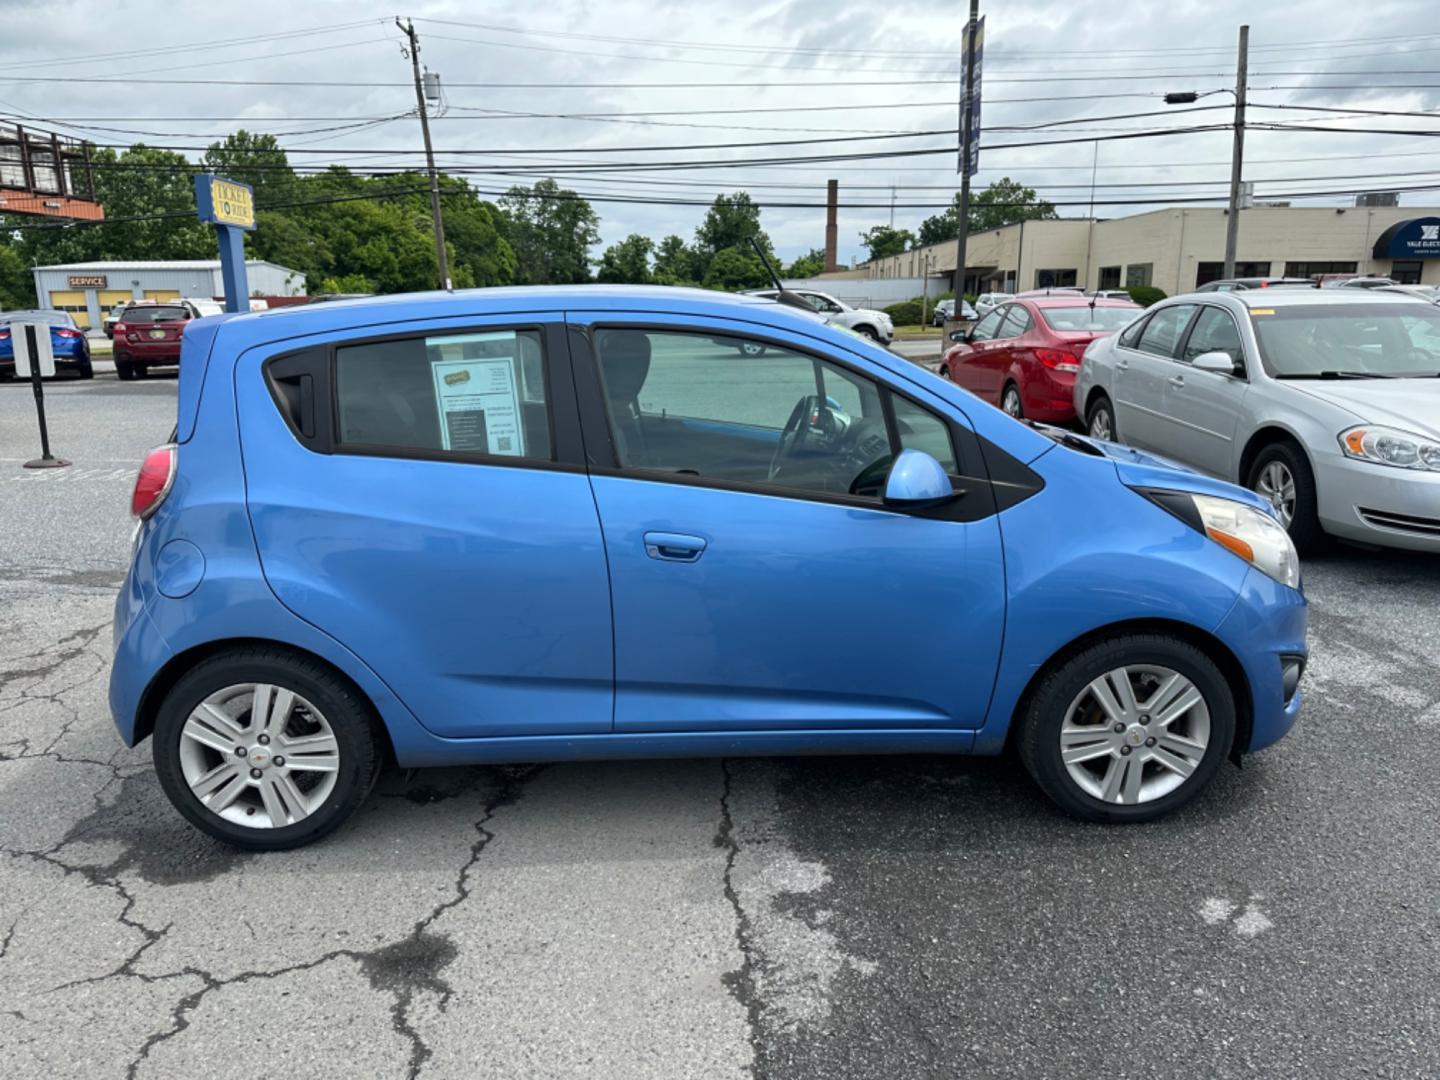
[(674, 547), (1177, 381), (1122, 365)]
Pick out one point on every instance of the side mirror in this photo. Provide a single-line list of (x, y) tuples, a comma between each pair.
[(917, 481), (959, 336), (1217, 361)]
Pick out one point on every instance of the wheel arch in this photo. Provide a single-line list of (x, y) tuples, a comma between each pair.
[(1217, 651), (1096, 393), (176, 667), (1264, 436)]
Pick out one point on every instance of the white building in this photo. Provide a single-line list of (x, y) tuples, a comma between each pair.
[(88, 290), (1178, 249)]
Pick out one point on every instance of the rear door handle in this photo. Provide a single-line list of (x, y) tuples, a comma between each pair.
[(674, 547), (1177, 381), (1122, 365)]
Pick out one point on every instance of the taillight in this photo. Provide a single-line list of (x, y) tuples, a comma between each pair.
[(4, 335), (66, 333), (1058, 359), (157, 473), (119, 328)]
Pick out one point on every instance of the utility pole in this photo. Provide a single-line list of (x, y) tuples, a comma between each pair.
[(441, 262), (967, 95), (1237, 154)]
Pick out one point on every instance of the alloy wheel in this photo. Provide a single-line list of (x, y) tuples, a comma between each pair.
[(1100, 424), (1276, 484), (1011, 403), (259, 755), (1135, 734)]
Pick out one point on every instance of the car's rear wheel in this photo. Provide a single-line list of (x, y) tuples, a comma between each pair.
[(1281, 474), (1128, 729), (86, 370), (1100, 420), (124, 368), (1010, 402), (265, 749)]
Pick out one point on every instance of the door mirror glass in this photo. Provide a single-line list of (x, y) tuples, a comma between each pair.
[(1217, 361), (916, 481), (959, 336)]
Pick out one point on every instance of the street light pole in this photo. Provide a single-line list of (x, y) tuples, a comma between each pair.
[(1237, 154), (967, 96), (442, 262)]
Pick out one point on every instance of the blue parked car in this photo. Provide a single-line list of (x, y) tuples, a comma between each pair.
[(554, 524), (67, 341)]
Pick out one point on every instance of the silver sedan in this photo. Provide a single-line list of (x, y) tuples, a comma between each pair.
[(1325, 402)]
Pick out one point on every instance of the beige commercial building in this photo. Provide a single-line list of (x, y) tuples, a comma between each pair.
[(1178, 249)]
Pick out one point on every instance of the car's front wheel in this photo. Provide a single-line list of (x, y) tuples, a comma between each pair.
[(1128, 729), (870, 332), (265, 749), (1281, 474)]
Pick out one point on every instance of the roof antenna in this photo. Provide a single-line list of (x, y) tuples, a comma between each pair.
[(782, 294)]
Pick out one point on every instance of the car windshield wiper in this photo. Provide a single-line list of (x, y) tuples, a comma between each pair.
[(1067, 438), (1333, 375)]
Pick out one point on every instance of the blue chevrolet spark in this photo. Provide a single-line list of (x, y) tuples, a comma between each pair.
[(556, 524)]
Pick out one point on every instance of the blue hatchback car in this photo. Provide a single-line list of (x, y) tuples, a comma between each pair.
[(543, 524)]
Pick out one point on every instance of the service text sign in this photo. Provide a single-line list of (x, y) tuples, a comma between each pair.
[(224, 202), (87, 281)]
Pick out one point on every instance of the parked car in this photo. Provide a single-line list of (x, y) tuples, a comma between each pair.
[(1110, 294), (148, 335), (875, 325), (113, 316), (1326, 403), (1052, 290), (67, 342), (1424, 292), (572, 523), (1023, 355), (985, 301), (1240, 284), (945, 311), (201, 306), (1367, 282)]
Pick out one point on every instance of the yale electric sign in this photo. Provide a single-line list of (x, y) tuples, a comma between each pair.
[(225, 202)]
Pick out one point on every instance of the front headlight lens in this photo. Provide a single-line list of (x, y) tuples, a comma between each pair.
[(1252, 534), (1391, 446)]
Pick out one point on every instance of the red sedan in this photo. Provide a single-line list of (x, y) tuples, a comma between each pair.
[(1023, 356)]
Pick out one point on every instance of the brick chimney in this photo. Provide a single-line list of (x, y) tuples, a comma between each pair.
[(832, 203)]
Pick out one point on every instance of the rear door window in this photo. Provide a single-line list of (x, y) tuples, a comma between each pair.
[(1162, 333), (480, 393), (1017, 322)]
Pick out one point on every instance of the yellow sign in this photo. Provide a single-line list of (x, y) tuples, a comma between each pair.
[(1262, 311), (232, 204)]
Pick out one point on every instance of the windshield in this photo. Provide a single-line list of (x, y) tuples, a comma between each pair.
[(54, 318), (1361, 340), (1084, 318), (155, 314)]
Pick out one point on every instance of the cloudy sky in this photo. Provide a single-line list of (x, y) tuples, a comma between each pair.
[(618, 85)]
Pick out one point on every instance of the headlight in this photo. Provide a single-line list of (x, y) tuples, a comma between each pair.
[(1252, 534), (1390, 446)]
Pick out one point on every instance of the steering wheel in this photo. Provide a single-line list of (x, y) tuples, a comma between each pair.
[(796, 431)]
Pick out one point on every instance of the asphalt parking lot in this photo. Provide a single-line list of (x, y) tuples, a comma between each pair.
[(828, 917)]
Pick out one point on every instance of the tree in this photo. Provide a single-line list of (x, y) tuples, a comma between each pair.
[(731, 221), (807, 265), (736, 268), (253, 159), (628, 262), (17, 283), (674, 263), (884, 241), (551, 231), (1004, 202)]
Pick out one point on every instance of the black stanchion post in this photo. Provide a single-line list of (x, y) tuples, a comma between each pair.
[(46, 460)]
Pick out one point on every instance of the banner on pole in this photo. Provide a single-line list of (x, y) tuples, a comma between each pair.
[(969, 159)]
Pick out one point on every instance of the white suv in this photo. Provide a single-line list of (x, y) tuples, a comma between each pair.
[(873, 324)]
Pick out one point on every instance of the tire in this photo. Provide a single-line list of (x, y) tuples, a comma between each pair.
[(751, 348), (1101, 409), (86, 371), (870, 332), (1206, 730), (124, 368), (944, 371), (226, 680), (1010, 402), (1282, 459)]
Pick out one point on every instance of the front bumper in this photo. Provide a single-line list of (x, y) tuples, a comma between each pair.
[(1265, 631), (1379, 504)]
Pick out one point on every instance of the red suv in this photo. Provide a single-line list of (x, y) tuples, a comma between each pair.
[(148, 335), (1023, 356)]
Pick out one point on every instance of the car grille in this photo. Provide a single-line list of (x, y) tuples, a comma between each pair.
[(1383, 519)]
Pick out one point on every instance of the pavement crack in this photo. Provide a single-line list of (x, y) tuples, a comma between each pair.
[(742, 982)]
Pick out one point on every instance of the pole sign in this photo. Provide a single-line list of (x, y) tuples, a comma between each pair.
[(33, 348), (971, 52), (230, 206)]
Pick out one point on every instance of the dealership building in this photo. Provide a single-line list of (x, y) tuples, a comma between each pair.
[(88, 290), (1180, 248)]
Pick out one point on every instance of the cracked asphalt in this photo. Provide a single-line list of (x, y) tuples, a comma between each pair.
[(830, 917)]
